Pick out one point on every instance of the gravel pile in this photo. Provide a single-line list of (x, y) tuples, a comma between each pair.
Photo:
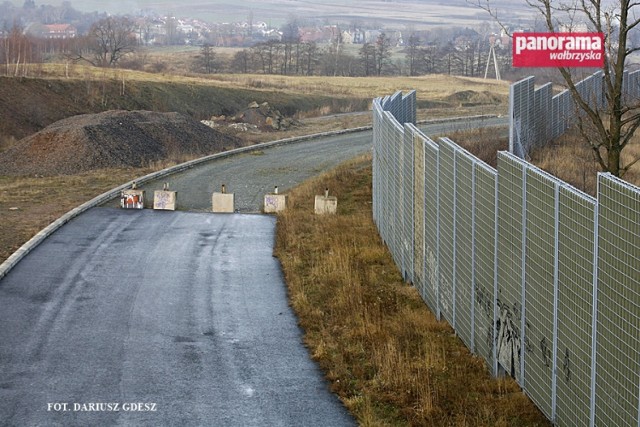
[(111, 139)]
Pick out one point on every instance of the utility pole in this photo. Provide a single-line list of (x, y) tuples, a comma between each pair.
[(492, 55)]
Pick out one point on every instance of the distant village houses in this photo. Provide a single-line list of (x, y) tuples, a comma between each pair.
[(52, 31)]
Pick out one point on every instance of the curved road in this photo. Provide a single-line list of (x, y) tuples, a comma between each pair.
[(251, 175), (149, 317)]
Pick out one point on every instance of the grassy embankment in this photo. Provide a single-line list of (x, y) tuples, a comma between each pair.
[(386, 356)]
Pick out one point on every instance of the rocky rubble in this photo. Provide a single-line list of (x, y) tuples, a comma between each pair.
[(255, 118)]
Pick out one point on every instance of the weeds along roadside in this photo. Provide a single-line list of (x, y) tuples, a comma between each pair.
[(386, 356)]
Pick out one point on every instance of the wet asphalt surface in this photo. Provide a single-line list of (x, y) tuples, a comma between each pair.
[(156, 318), (142, 317)]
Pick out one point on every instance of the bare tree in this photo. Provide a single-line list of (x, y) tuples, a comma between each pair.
[(383, 53), (18, 51), (310, 53), (207, 61), (413, 53), (241, 61), (107, 42), (368, 58), (607, 129)]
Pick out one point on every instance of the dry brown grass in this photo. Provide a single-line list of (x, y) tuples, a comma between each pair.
[(387, 357), (29, 204), (571, 159), (483, 142)]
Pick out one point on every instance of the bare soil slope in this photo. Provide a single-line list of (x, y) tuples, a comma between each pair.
[(111, 139)]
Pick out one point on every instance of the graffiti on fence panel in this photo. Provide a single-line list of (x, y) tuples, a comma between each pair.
[(547, 354), (509, 340), (566, 365), (484, 300), (432, 265)]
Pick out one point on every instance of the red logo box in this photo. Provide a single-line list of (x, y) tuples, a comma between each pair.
[(558, 49)]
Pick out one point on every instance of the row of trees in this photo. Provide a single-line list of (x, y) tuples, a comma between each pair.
[(293, 57), (111, 42)]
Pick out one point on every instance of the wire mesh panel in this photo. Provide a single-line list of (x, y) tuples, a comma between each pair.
[(537, 116), (376, 160), (634, 86), (407, 202), (393, 105), (386, 190), (618, 315), (485, 266), (511, 240), (432, 225), (464, 262), (541, 108), (418, 213), (555, 115), (447, 237), (564, 111), (409, 103), (576, 235), (540, 281), (520, 113), (394, 137)]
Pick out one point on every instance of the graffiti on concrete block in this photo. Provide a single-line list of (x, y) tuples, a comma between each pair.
[(274, 203), (132, 199), (164, 200), (271, 202)]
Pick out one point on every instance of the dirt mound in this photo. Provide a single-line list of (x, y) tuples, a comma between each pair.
[(111, 139), (471, 97)]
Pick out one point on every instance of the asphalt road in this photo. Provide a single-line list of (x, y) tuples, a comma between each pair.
[(251, 175), (185, 313)]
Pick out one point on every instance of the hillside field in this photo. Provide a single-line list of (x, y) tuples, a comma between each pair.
[(396, 14)]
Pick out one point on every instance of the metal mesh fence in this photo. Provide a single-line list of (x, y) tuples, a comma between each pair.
[(485, 297), (447, 237), (419, 203), (510, 247), (464, 265), (537, 278), (407, 204), (432, 225), (537, 116), (540, 284), (574, 355), (618, 315)]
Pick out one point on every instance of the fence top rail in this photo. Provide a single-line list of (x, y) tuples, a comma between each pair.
[(562, 184), (392, 120), (622, 183), (418, 132), (464, 152)]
